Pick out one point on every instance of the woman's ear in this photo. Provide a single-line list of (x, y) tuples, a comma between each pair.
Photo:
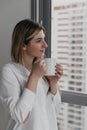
[(24, 47)]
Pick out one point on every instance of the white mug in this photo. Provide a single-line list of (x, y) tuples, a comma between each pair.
[(50, 62)]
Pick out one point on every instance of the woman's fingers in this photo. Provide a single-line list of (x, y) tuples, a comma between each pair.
[(59, 70)]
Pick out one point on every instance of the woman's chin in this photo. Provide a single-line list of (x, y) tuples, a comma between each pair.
[(40, 56)]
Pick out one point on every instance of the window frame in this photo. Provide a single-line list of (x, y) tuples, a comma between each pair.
[(41, 12)]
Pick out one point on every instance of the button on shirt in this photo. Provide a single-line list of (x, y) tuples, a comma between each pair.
[(18, 101)]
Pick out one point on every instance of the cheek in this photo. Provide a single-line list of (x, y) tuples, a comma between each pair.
[(32, 50)]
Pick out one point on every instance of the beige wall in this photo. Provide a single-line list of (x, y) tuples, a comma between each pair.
[(11, 11)]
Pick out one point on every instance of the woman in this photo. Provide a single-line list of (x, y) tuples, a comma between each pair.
[(28, 96)]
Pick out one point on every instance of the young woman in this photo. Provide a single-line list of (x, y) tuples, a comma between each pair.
[(30, 99)]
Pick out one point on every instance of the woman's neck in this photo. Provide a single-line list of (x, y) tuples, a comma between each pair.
[(27, 63)]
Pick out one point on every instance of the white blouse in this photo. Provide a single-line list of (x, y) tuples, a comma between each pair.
[(18, 101)]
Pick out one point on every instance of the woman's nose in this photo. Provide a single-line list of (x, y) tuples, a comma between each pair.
[(45, 44)]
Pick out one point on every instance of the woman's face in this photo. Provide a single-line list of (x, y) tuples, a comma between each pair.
[(37, 46)]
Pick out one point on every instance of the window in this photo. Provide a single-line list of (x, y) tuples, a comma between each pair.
[(72, 117), (66, 25)]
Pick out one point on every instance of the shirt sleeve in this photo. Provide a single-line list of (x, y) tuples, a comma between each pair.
[(56, 100), (18, 104)]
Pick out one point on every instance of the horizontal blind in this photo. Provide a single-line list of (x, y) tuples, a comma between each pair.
[(69, 43), (69, 46)]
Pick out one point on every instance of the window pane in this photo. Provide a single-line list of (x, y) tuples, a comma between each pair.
[(69, 42), (72, 117)]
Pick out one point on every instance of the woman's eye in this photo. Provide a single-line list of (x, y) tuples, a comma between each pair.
[(38, 40)]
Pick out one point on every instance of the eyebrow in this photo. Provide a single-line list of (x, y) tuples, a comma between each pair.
[(39, 38)]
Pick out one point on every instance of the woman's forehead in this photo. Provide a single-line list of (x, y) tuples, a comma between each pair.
[(39, 35)]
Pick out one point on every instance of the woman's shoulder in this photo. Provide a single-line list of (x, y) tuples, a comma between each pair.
[(7, 68), (9, 65), (7, 73), (16, 68)]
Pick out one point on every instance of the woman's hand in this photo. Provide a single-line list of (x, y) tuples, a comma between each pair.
[(38, 70), (54, 79), (39, 67)]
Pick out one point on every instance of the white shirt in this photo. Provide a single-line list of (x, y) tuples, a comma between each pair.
[(18, 101)]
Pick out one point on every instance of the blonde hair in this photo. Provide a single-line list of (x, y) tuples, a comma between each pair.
[(23, 32)]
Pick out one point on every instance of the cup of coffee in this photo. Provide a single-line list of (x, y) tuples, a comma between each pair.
[(50, 62)]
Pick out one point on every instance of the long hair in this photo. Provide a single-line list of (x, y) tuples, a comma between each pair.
[(23, 32)]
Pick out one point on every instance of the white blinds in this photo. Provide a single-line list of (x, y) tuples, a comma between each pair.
[(69, 42)]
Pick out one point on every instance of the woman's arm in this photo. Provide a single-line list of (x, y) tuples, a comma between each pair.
[(18, 105)]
